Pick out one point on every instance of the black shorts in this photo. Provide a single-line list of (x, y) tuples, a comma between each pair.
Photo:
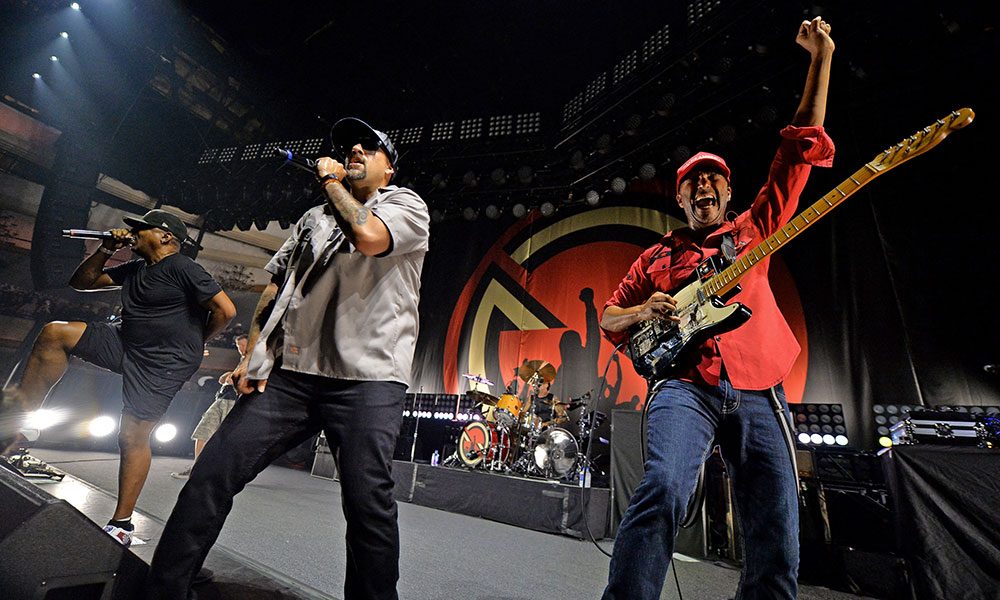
[(146, 394)]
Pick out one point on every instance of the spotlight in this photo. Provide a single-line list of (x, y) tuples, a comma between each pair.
[(101, 426), (470, 179), (54, 58), (804, 438), (829, 440), (43, 418), (816, 438), (64, 35), (519, 210), (164, 433), (603, 143), (75, 6), (524, 174), (618, 185), (547, 209), (647, 172), (885, 441), (632, 124), (841, 440), (593, 198), (498, 176), (469, 213), (36, 76), (492, 211)]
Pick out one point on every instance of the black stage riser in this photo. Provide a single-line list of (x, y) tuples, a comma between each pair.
[(555, 507)]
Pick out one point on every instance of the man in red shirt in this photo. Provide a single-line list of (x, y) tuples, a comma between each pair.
[(724, 394)]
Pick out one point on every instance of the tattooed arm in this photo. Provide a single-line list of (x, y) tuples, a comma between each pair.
[(363, 228)]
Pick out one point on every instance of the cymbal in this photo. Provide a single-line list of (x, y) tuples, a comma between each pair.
[(543, 368), (477, 379), (482, 397)]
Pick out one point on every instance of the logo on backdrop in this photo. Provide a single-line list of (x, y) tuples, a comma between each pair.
[(537, 295)]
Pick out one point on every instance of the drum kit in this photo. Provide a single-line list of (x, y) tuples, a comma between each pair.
[(512, 437)]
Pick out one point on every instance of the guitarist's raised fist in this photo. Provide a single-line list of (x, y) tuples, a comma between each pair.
[(814, 36)]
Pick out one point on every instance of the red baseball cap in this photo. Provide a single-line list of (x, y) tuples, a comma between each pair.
[(702, 158)]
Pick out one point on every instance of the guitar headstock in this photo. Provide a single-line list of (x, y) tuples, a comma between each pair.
[(922, 141)]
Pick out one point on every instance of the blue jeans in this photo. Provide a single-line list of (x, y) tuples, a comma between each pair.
[(684, 419), (361, 420)]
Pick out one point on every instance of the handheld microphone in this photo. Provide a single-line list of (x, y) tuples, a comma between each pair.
[(297, 160), (87, 234)]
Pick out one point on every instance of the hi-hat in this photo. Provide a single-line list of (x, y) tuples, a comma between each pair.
[(477, 379), (542, 368)]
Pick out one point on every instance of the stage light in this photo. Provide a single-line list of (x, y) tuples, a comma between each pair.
[(618, 185), (470, 179), (439, 181), (841, 440), (469, 213), (525, 174), (166, 432), (547, 209), (816, 438), (101, 426), (593, 198), (492, 212), (829, 440), (804, 438), (498, 176), (36, 76), (519, 210), (647, 172), (406, 413), (75, 6), (632, 124), (64, 34), (603, 143), (437, 215), (54, 58), (885, 441), (43, 418)]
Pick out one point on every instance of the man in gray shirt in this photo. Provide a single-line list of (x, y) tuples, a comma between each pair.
[(332, 345)]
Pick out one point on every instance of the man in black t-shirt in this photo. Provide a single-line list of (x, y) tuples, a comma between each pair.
[(170, 307)]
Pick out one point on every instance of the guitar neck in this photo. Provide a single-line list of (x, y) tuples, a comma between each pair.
[(915, 145), (727, 279)]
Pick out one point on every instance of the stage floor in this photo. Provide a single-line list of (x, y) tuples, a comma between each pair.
[(285, 539)]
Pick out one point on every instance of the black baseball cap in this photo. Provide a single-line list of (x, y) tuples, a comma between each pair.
[(352, 130), (160, 219)]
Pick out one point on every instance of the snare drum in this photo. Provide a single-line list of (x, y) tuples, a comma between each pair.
[(483, 444), (508, 410)]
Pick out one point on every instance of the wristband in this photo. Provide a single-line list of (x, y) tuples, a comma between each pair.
[(107, 251), (328, 178)]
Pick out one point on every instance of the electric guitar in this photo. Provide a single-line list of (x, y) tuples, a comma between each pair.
[(656, 345)]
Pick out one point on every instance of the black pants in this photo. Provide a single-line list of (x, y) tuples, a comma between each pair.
[(361, 420)]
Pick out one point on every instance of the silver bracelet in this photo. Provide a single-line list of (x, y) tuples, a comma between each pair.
[(107, 251)]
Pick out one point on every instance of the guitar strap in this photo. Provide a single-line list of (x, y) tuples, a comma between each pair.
[(728, 248)]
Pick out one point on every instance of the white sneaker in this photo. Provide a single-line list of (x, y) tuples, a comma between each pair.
[(181, 474), (121, 535)]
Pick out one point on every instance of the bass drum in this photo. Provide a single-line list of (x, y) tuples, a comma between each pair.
[(556, 452), (483, 445)]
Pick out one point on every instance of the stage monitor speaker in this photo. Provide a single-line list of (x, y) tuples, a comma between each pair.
[(626, 473), (49, 550)]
